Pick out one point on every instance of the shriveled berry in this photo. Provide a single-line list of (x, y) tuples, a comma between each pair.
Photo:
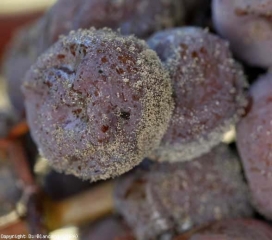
[(247, 25), (237, 229), (97, 103), (254, 138), (172, 198), (208, 88)]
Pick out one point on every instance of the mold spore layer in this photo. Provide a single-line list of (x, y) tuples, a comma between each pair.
[(208, 88), (97, 103)]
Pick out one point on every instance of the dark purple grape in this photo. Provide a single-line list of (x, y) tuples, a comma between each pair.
[(238, 229), (111, 228), (208, 88), (97, 103), (247, 25), (254, 138), (175, 197), (10, 192), (138, 17)]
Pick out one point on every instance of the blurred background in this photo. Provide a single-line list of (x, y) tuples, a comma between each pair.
[(16, 13), (13, 15)]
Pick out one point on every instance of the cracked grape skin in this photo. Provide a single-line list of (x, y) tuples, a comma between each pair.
[(97, 103), (254, 137), (209, 91), (247, 25)]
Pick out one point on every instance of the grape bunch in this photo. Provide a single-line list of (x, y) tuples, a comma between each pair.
[(144, 92)]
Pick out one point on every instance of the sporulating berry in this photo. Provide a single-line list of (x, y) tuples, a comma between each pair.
[(91, 124), (208, 88)]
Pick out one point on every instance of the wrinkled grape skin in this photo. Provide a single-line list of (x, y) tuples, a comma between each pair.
[(175, 197), (247, 25), (97, 103), (109, 228), (254, 137), (238, 229), (138, 17), (209, 90)]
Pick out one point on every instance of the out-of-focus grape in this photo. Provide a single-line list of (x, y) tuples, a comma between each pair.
[(254, 138), (172, 198), (247, 25)]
